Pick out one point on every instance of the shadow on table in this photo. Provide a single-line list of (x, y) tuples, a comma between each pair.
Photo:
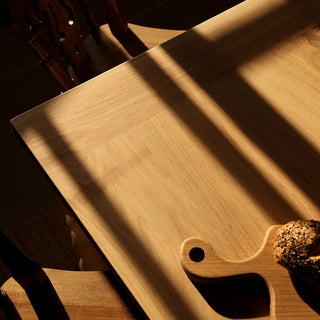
[(135, 249), (309, 294), (237, 297), (38, 287), (255, 118)]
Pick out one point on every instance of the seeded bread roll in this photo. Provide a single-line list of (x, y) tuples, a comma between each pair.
[(297, 248)]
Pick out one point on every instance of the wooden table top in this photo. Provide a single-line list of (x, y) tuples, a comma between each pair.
[(214, 134)]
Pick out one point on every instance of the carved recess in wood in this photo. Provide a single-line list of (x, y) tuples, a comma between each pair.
[(66, 31), (201, 263)]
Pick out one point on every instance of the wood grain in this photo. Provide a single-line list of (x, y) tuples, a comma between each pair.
[(285, 303), (213, 134), (84, 295)]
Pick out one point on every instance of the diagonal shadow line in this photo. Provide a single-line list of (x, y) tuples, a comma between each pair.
[(213, 139), (261, 123), (8, 307), (135, 249), (298, 158), (38, 287), (206, 131), (243, 44)]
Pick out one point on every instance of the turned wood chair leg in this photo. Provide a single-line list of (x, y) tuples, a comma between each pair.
[(56, 70), (89, 257), (23, 21), (66, 32)]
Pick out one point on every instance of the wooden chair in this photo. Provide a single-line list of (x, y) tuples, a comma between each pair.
[(35, 293), (52, 29)]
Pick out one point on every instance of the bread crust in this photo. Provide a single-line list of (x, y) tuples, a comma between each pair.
[(297, 248)]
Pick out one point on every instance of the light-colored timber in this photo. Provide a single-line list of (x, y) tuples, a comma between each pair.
[(214, 134), (84, 295), (285, 303)]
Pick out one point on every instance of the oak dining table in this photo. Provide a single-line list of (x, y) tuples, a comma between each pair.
[(212, 135)]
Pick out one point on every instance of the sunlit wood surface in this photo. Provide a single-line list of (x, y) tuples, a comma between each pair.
[(83, 294), (214, 134)]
